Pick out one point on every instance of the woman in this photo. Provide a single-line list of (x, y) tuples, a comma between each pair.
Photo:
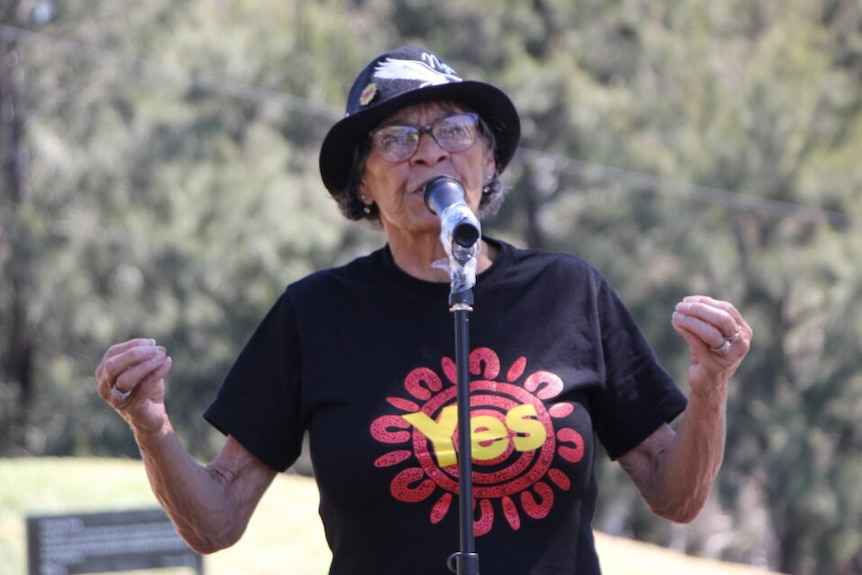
[(361, 358)]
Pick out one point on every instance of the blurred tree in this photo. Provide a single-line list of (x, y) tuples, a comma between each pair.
[(17, 251), (169, 189), (172, 201)]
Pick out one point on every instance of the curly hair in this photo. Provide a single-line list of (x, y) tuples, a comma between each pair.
[(353, 208)]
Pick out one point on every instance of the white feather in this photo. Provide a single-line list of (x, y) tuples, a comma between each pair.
[(394, 69)]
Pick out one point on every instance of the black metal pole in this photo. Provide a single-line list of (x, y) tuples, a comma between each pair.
[(466, 561)]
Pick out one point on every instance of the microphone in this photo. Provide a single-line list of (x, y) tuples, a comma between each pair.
[(445, 197)]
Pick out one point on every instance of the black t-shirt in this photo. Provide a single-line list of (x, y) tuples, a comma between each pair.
[(362, 358)]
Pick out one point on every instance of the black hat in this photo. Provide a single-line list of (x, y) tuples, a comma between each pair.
[(404, 76)]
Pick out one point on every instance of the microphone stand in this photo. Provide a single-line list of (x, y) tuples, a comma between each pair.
[(462, 268)]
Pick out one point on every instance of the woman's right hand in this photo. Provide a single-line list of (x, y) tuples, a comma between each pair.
[(131, 380)]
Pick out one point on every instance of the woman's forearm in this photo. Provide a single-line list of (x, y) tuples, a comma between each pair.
[(689, 466), (195, 497)]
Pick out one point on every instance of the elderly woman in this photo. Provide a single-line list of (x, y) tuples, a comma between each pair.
[(361, 359)]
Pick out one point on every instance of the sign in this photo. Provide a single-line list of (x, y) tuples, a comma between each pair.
[(105, 542)]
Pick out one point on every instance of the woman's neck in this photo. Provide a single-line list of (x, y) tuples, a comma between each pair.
[(416, 258)]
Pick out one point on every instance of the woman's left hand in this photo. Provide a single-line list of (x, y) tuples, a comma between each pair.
[(718, 338), (675, 470)]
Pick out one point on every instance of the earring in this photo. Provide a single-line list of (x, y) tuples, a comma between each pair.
[(367, 210), (486, 189)]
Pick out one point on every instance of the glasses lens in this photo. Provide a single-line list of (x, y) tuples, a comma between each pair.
[(455, 133), (395, 143)]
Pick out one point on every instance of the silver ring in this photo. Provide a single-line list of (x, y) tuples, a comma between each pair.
[(724, 347), (121, 395)]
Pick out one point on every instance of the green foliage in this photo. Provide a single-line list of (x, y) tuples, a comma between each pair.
[(693, 147)]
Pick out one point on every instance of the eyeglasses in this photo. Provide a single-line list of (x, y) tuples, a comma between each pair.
[(453, 134)]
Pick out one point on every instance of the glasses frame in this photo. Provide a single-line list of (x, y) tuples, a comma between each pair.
[(475, 127)]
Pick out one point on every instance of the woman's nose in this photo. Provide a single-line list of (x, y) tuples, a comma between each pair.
[(428, 151)]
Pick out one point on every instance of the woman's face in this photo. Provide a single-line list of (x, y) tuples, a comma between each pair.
[(397, 187)]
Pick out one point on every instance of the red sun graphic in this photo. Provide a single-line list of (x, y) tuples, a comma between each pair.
[(513, 440)]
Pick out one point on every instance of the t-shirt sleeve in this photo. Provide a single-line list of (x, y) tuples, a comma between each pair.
[(258, 403), (639, 394)]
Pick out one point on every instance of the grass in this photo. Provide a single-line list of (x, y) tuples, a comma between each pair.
[(285, 535)]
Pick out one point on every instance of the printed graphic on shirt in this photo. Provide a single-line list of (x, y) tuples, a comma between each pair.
[(514, 440)]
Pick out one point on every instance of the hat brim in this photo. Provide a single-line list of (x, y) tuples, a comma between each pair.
[(491, 103)]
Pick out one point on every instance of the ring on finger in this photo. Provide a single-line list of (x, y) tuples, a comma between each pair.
[(119, 394), (727, 343), (723, 348)]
